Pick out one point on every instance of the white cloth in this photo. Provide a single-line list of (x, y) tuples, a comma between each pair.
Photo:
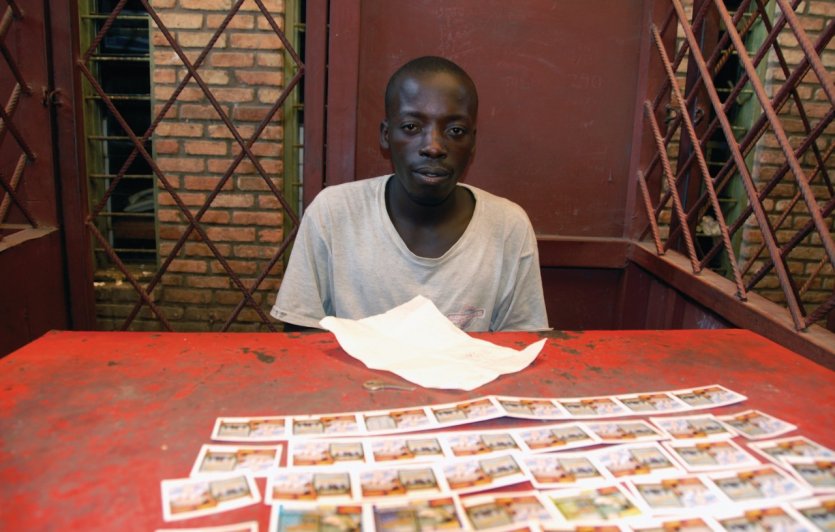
[(418, 343), (349, 261)]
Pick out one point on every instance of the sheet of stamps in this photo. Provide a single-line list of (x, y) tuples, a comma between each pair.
[(461, 444), (398, 420), (310, 485), (593, 407), (563, 470), (697, 456), (800, 446), (676, 524), (246, 526), (652, 403), (405, 449), (250, 429), (257, 460), (507, 510), (185, 498), (708, 396), (559, 437), (675, 495), (637, 460), (471, 411), (531, 408), (601, 505), (431, 513), (482, 473), (820, 511), (327, 452), (624, 431), (763, 518), (324, 425), (756, 425), (402, 481), (556, 526), (301, 518), (698, 427), (817, 473), (759, 485)]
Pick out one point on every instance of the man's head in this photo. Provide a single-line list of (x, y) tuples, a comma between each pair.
[(430, 126)]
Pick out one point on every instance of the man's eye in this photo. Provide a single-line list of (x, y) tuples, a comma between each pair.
[(456, 131), (409, 128)]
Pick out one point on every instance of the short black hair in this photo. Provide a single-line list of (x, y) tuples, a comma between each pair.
[(427, 64)]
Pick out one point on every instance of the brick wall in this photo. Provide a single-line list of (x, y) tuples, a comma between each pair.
[(194, 149), (805, 260)]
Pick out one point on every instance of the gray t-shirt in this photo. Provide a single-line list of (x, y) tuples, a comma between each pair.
[(349, 261)]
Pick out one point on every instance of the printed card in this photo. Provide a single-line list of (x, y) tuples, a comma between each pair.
[(462, 444), (185, 498), (531, 408), (592, 407), (817, 473), (380, 483), (708, 396), (402, 420), (604, 504), (310, 485), (700, 427), (435, 513), (676, 524), (563, 470), (221, 459), (311, 453), (406, 449), (777, 450), (250, 429), (652, 403), (477, 474), (698, 456), (247, 526), (624, 431), (555, 437), (820, 512), (466, 411), (324, 425), (495, 510), (763, 518), (756, 425), (556, 526), (298, 518), (637, 460), (760, 485), (675, 495)]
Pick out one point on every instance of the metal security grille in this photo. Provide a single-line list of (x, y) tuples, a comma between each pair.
[(246, 151), (779, 236), (16, 150)]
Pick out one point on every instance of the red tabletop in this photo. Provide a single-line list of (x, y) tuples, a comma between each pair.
[(90, 423)]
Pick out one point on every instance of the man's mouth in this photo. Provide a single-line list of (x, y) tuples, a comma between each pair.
[(433, 175)]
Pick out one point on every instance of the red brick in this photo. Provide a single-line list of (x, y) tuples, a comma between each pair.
[(223, 132), (206, 147), (200, 281), (240, 267), (233, 95), (167, 232), (232, 59), (200, 249), (188, 266), (164, 75), (206, 5), (170, 215), (169, 128), (250, 113), (269, 96), (237, 200), (167, 146), (264, 24), (204, 112), (270, 235), (183, 295), (239, 21), (255, 252), (269, 60), (199, 39), (272, 218), (256, 41), (273, 6), (260, 77), (231, 234), (187, 198), (268, 202), (180, 164), (174, 20), (257, 183), (198, 182)]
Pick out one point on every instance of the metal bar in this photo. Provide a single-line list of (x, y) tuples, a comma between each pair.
[(121, 58), (109, 137), (822, 310), (758, 128), (779, 132), (809, 50), (11, 107), (123, 17), (5, 23), (13, 182), (16, 134), (118, 214), (145, 296), (656, 236), (15, 9), (103, 31), (118, 97), (284, 41), (126, 176), (665, 163), (812, 277), (10, 62), (748, 182), (10, 193)]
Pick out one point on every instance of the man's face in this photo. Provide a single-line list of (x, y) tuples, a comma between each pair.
[(430, 133)]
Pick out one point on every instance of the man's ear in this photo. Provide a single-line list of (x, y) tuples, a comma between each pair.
[(384, 134)]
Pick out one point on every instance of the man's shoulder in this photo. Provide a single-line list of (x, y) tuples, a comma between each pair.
[(498, 206), (352, 188)]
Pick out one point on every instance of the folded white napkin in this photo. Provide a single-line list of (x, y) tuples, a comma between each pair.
[(421, 345)]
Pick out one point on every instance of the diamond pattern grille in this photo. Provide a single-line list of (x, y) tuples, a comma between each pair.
[(787, 146), (14, 214), (195, 215)]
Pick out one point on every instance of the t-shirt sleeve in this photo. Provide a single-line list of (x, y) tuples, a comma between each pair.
[(304, 294), (524, 307)]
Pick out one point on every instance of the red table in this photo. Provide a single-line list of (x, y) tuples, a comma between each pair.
[(91, 422)]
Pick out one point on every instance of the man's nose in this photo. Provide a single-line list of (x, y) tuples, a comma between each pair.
[(433, 144)]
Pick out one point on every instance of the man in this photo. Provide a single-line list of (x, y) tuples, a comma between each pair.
[(371, 245)]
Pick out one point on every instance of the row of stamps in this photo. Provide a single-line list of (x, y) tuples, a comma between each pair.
[(656, 474), (435, 417), (603, 509)]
